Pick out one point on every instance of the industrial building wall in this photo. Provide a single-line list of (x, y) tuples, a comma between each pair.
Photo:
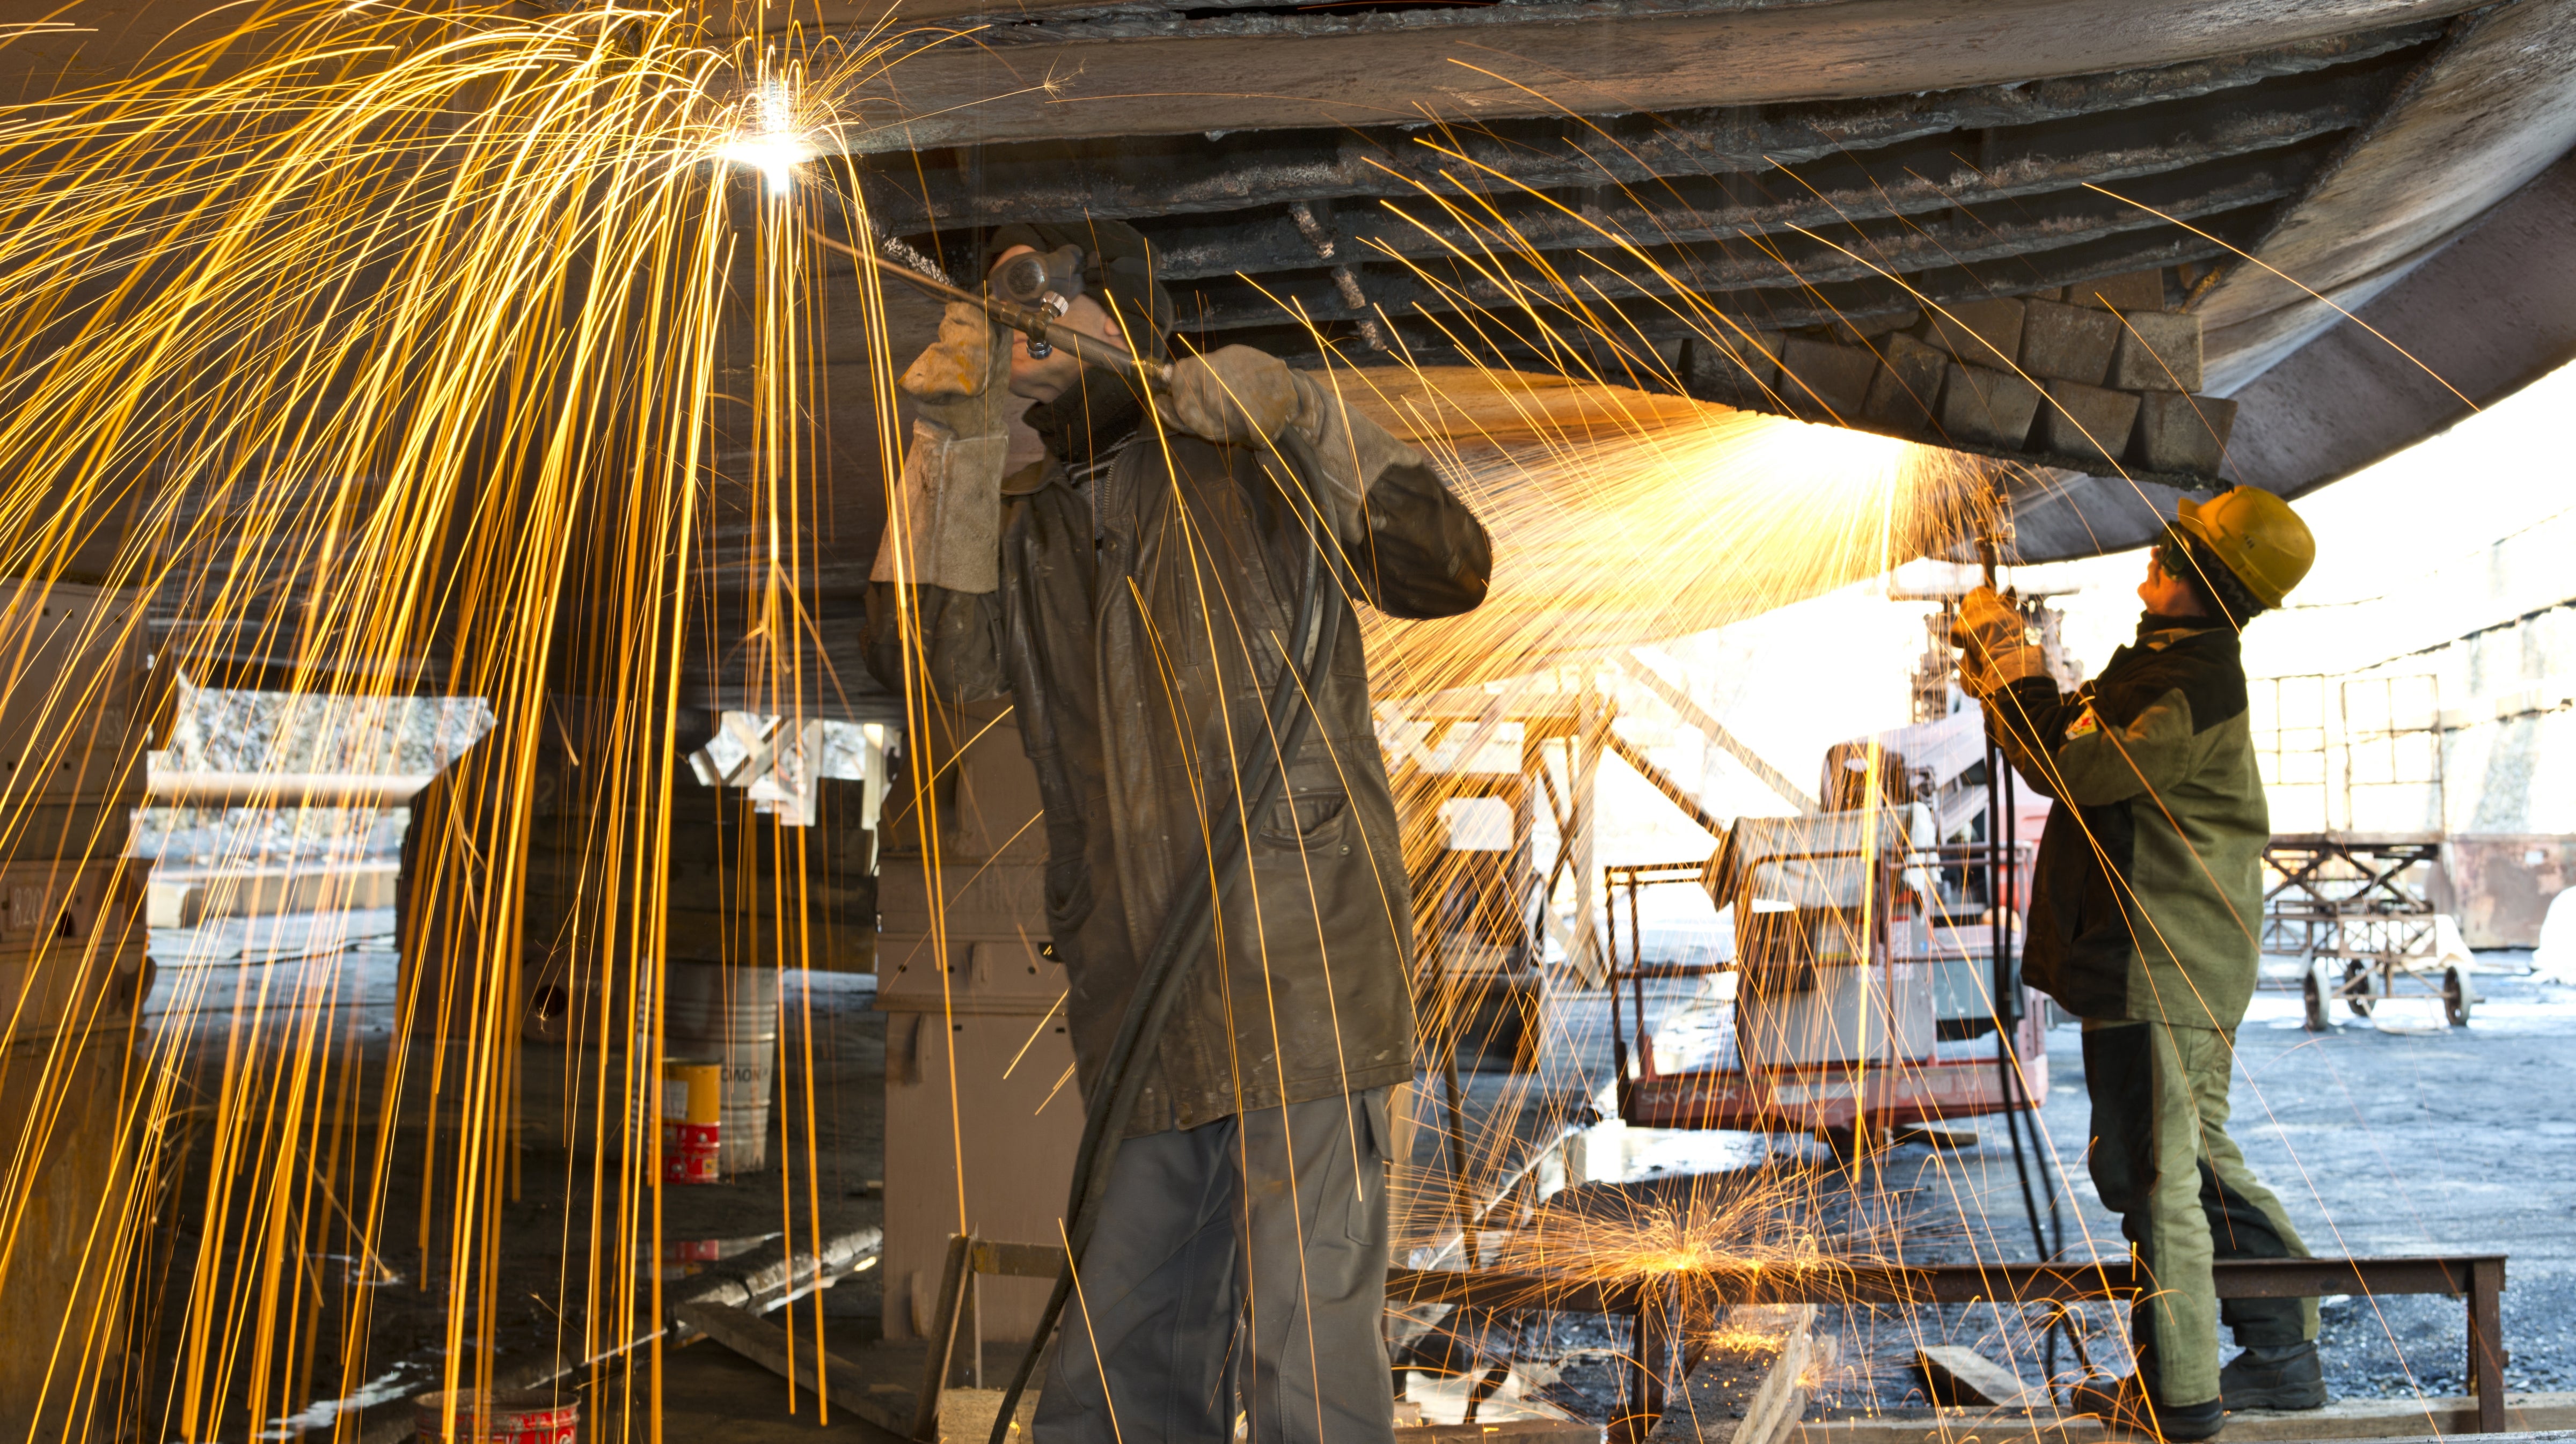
[(2509, 746)]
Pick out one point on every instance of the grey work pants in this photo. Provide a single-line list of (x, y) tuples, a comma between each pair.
[(1244, 1258), (2162, 1160)]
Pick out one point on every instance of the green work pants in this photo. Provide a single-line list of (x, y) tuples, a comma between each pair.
[(2162, 1160)]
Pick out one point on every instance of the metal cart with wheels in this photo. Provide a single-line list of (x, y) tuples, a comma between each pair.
[(2353, 906)]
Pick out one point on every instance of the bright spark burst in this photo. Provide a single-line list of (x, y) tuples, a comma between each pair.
[(771, 144), (443, 325)]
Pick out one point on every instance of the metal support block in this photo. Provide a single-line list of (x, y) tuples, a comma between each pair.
[(1819, 377), (2088, 422), (1906, 393), (1866, 330), (2132, 291), (2157, 353), (1980, 333), (2181, 432), (2067, 343), (1731, 368), (1992, 407)]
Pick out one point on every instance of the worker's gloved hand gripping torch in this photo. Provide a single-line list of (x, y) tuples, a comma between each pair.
[(1993, 638), (1245, 406), (1994, 644)]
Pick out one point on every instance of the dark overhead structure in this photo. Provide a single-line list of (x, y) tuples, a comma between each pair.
[(1784, 216), (2356, 211), (1439, 180)]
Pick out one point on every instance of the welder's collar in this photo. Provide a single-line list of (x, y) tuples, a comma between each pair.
[(1101, 410), (2159, 631)]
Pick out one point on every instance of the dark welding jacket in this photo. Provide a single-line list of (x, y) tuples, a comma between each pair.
[(2148, 898), (1147, 592)]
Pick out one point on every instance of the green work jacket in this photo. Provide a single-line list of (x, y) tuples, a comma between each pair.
[(2148, 899)]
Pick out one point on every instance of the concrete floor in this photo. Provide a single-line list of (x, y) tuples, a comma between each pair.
[(710, 1393), (2395, 1136), (313, 997)]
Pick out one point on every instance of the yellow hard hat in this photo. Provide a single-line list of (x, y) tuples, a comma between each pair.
[(2256, 535)]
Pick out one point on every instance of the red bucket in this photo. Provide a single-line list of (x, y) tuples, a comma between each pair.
[(508, 1416)]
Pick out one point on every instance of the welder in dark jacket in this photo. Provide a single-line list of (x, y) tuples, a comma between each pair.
[(2145, 923), (1129, 576)]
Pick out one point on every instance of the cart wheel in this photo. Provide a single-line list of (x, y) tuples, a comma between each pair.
[(2356, 988), (2455, 997), (2314, 991)]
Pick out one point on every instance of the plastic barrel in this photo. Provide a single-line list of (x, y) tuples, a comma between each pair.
[(508, 1416), (730, 1014)]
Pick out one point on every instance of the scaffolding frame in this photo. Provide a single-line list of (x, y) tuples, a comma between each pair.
[(2352, 905)]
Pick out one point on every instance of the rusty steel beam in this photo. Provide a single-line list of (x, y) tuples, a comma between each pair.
[(1152, 176), (1630, 343), (1946, 173), (1175, 75), (1795, 266), (2487, 112)]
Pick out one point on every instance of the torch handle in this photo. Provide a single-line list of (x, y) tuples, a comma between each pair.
[(1029, 321)]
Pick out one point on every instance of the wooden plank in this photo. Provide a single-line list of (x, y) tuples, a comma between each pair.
[(839, 1383), (1502, 1431), (956, 1286), (1018, 1260), (1954, 1283), (1719, 1404), (966, 1415), (1174, 77), (1960, 1376), (2486, 1342), (1782, 1400), (1649, 673), (2345, 1419)]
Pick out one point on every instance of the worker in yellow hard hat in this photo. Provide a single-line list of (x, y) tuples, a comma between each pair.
[(2145, 918)]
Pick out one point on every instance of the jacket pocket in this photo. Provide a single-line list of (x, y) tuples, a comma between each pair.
[(1068, 897), (1306, 821)]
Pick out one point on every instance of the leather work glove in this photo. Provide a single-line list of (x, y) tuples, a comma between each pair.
[(1235, 396), (1244, 397), (1994, 644), (960, 381), (945, 527)]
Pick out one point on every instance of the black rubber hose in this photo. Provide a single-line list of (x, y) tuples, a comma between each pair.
[(2008, 1080), (2003, 845), (1284, 726)]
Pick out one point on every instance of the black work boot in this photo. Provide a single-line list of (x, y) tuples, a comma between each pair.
[(2123, 1406), (2274, 1376)]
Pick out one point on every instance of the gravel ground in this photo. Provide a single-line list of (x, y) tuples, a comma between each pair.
[(2395, 1135)]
